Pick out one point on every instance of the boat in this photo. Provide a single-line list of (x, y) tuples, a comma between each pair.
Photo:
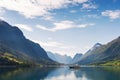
[(74, 66)]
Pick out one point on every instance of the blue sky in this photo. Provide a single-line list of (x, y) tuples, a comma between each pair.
[(66, 27)]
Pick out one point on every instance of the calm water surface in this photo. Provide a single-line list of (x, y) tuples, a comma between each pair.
[(64, 73)]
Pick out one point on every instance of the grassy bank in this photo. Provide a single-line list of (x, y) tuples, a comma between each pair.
[(108, 63)]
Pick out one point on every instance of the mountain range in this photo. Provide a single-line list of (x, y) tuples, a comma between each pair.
[(14, 46), (76, 58), (100, 54), (64, 59), (16, 49)]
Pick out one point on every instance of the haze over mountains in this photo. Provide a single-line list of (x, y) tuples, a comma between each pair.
[(64, 59), (96, 55), (76, 58)]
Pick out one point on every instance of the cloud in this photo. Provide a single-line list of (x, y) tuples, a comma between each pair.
[(1, 11), (50, 38), (61, 48), (63, 25), (48, 18), (85, 25), (34, 8), (52, 44), (25, 27), (58, 26), (58, 47), (89, 6), (80, 1), (1, 14), (112, 14), (2, 18), (48, 44), (92, 16), (73, 11)]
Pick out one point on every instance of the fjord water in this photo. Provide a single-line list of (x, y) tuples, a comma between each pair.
[(63, 73)]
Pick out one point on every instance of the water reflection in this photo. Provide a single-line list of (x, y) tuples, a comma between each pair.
[(64, 73), (99, 73), (24, 73)]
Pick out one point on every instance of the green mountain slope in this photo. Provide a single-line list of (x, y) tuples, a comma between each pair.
[(104, 53), (109, 63), (13, 41)]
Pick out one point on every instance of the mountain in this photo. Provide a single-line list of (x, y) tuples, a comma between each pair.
[(76, 58), (59, 58), (13, 41), (90, 51), (96, 46), (102, 53)]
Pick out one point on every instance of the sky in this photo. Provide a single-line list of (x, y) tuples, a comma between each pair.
[(66, 27)]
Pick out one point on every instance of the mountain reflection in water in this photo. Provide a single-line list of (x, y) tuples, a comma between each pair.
[(63, 73)]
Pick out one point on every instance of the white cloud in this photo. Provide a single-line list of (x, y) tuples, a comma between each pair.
[(33, 8), (89, 6), (61, 48), (50, 38), (58, 26), (85, 25), (48, 44), (2, 18), (112, 14), (1, 14), (92, 16), (25, 27), (80, 1), (1, 10), (48, 17), (58, 47), (64, 25), (73, 11), (52, 44)]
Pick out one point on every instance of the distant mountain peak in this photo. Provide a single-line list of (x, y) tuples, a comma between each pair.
[(4, 24), (77, 57), (78, 54), (59, 58), (102, 53), (96, 46)]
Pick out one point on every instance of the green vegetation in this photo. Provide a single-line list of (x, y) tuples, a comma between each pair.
[(12, 58), (111, 63), (108, 63), (7, 59)]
